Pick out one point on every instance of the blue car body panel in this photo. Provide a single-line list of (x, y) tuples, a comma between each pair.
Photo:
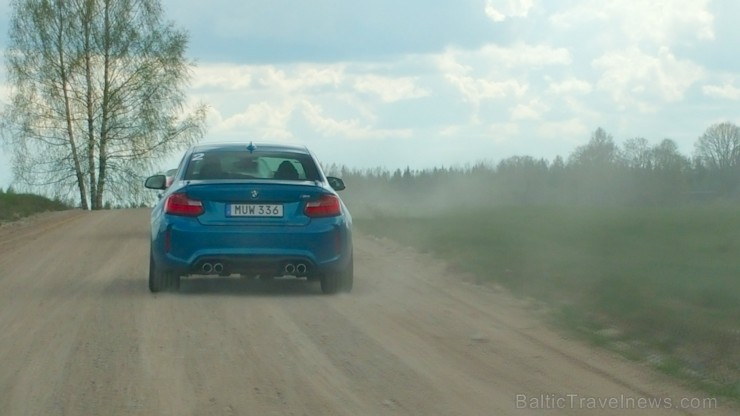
[(259, 245)]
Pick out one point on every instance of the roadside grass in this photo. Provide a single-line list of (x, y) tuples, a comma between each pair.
[(16, 206), (659, 285)]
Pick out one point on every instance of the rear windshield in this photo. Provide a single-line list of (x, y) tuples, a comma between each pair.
[(245, 165)]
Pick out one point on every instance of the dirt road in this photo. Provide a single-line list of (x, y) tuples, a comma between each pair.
[(81, 335)]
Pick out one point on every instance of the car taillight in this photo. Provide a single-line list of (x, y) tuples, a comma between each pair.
[(326, 206), (180, 204)]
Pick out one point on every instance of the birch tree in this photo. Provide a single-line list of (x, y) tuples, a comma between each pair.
[(97, 95)]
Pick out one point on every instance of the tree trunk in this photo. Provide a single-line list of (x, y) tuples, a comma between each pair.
[(103, 138), (87, 23), (68, 112)]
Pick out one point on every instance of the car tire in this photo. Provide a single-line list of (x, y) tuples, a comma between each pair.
[(160, 280), (330, 283), (348, 276), (337, 281)]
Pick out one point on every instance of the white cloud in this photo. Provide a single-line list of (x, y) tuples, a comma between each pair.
[(494, 59), (325, 95), (494, 14), (495, 72), (570, 86), (4, 94), (729, 92), (4, 88), (531, 111), (517, 56), (301, 77), (500, 10), (222, 76), (261, 121), (346, 129), (633, 77), (285, 79), (658, 21), (213, 119), (389, 89), (476, 89)]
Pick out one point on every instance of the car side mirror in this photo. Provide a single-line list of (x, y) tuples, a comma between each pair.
[(336, 183), (156, 182)]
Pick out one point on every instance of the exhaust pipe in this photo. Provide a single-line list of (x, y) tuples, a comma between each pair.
[(207, 267), (289, 268), (218, 268), (301, 269)]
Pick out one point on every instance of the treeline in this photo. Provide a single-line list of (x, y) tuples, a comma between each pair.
[(599, 173)]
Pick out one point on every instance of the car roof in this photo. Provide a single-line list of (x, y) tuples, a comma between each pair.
[(237, 146)]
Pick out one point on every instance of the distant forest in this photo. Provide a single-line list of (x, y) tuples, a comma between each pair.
[(598, 173)]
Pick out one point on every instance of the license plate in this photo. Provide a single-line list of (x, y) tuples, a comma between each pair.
[(254, 210)]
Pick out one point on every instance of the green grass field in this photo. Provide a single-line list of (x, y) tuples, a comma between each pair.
[(15, 206), (661, 285)]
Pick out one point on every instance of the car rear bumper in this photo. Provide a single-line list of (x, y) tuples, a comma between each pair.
[(276, 265), (186, 247)]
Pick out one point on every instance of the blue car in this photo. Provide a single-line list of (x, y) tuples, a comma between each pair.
[(253, 210)]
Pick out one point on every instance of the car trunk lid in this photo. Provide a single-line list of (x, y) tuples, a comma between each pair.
[(253, 202)]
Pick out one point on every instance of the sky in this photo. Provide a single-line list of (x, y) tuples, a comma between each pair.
[(425, 83)]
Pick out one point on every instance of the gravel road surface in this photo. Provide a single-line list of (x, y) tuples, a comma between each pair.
[(81, 335)]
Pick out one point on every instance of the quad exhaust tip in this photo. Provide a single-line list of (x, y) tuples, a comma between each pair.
[(292, 269), (207, 267), (218, 268)]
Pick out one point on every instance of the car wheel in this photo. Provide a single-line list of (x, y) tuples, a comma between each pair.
[(341, 280), (160, 280), (155, 282), (348, 276), (330, 283)]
